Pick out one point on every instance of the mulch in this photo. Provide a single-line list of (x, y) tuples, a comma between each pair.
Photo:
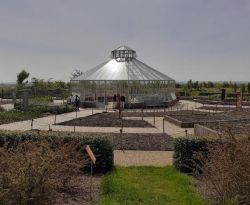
[(78, 192), (142, 141)]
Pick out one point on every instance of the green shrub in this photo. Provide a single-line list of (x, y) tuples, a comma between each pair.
[(101, 146), (185, 159), (41, 99), (52, 109), (16, 115), (103, 152)]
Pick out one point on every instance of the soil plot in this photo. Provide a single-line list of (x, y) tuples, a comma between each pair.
[(187, 118), (106, 120)]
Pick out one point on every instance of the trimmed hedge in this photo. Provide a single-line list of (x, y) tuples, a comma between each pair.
[(100, 145), (52, 109), (184, 154), (56, 109)]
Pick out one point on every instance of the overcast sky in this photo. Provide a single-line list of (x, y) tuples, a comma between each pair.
[(185, 39)]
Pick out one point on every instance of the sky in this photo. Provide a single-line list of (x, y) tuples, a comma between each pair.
[(185, 39)]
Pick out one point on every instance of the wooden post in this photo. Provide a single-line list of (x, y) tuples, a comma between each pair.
[(163, 126), (121, 139), (50, 128), (186, 132), (55, 120), (91, 180), (154, 119), (32, 124), (122, 123), (142, 114)]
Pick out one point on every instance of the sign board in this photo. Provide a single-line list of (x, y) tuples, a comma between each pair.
[(90, 154)]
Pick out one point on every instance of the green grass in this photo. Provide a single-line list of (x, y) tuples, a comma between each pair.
[(14, 116), (148, 186)]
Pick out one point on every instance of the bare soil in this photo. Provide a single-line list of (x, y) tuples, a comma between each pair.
[(106, 120), (145, 113), (189, 116), (234, 128), (145, 142), (78, 192)]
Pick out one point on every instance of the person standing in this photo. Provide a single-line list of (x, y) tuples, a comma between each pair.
[(77, 102)]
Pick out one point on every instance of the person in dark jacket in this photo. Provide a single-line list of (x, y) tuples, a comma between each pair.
[(77, 102)]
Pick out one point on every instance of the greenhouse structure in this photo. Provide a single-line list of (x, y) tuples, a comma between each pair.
[(124, 75)]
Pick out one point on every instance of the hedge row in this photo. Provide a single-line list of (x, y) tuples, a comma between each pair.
[(185, 159), (57, 109), (100, 145)]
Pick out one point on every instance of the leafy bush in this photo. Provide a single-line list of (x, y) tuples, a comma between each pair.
[(32, 172), (100, 145), (185, 154), (103, 152)]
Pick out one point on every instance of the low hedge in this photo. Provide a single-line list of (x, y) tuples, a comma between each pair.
[(52, 109), (100, 145), (56, 109), (184, 154)]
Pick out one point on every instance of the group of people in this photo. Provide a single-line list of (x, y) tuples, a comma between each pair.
[(74, 100)]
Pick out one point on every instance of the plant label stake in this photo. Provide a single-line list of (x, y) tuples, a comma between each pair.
[(92, 161)]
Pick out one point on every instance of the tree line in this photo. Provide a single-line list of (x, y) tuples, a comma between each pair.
[(196, 85)]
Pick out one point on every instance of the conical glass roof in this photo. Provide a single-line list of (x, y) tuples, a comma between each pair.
[(123, 66)]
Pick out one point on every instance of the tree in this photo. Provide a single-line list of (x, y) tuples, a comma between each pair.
[(196, 85), (248, 87), (243, 88), (21, 77), (76, 73), (190, 84), (225, 85), (210, 84), (235, 87)]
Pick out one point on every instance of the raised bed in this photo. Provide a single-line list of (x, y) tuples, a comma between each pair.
[(235, 128), (187, 118)]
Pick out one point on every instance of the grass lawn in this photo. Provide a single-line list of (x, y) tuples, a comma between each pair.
[(148, 186)]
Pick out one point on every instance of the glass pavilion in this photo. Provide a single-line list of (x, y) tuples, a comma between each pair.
[(126, 76)]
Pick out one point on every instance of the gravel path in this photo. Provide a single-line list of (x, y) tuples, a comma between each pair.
[(143, 158), (7, 106), (47, 123)]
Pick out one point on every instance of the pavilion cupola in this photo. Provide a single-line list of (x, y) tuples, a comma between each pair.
[(123, 54)]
